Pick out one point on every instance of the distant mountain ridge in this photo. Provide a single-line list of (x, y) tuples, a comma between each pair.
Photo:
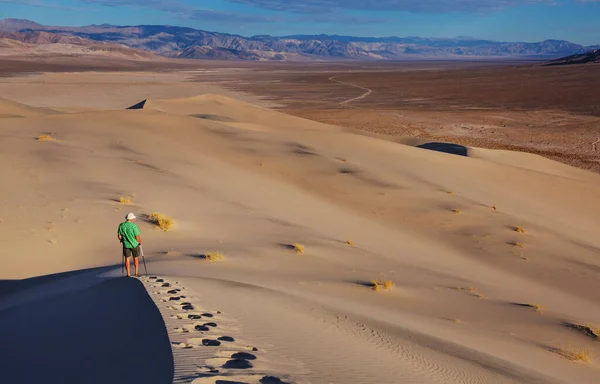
[(184, 42)]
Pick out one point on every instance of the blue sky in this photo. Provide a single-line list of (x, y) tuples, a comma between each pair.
[(507, 20)]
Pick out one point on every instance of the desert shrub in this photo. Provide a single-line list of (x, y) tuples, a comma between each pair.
[(46, 138), (163, 222), (213, 256)]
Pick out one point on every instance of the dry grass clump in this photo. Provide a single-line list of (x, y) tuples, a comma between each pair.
[(518, 244), (382, 285), (472, 291), (46, 138), (457, 211), (535, 307), (573, 353), (213, 256), (163, 222), (299, 248), (519, 229), (350, 243), (125, 200)]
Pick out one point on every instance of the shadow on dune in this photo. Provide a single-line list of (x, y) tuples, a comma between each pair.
[(139, 105), (207, 116), (109, 332), (453, 149)]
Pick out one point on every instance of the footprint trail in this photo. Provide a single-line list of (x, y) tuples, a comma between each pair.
[(207, 346)]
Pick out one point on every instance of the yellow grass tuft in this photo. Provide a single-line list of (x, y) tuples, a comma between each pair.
[(472, 291), (574, 353), (457, 211), (350, 243), (163, 222), (46, 138), (299, 248), (213, 256), (126, 200), (535, 307), (519, 229), (382, 285), (518, 244)]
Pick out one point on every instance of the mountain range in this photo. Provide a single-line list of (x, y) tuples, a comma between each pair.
[(182, 42)]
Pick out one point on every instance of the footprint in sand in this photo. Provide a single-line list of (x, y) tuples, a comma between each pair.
[(271, 380), (211, 343), (238, 380), (243, 356)]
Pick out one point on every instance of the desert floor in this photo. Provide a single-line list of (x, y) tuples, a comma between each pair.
[(493, 254)]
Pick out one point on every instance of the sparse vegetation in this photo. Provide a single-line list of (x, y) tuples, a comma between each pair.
[(46, 138), (472, 291), (382, 285), (535, 307), (519, 229), (457, 211), (573, 353), (299, 248), (125, 200), (213, 256), (163, 222), (350, 243), (518, 244)]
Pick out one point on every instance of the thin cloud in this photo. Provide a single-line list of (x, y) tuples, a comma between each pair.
[(39, 4), (185, 11), (433, 6)]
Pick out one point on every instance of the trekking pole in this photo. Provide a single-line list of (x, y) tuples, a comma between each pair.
[(143, 259), (122, 264)]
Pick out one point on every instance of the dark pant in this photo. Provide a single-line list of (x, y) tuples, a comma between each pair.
[(128, 252)]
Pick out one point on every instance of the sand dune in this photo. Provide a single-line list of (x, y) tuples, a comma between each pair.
[(475, 301), (10, 108)]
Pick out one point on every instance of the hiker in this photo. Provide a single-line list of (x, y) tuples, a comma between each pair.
[(129, 236)]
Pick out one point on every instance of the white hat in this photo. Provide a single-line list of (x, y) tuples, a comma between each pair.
[(130, 216)]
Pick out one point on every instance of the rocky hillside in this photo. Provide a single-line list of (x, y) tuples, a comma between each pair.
[(192, 43), (41, 42), (592, 56)]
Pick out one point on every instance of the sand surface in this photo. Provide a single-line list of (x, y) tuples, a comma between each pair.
[(474, 300)]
